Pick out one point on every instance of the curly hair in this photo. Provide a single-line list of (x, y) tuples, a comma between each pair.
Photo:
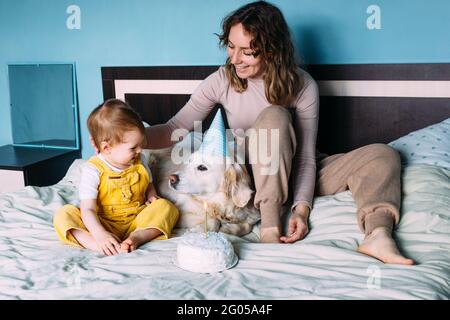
[(272, 41)]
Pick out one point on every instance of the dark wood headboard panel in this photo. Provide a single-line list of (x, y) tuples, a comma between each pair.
[(351, 115), (156, 108)]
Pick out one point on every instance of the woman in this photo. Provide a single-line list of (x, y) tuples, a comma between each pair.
[(259, 87)]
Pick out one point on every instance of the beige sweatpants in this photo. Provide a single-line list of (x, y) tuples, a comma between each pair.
[(372, 173)]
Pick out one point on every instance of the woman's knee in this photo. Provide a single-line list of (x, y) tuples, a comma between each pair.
[(274, 123), (273, 117), (384, 153)]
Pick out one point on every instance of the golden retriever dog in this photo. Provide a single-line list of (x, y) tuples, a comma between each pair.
[(202, 183)]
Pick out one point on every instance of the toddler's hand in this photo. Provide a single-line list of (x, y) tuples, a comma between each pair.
[(109, 243), (152, 198)]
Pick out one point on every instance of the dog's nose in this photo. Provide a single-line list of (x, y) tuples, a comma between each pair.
[(174, 179)]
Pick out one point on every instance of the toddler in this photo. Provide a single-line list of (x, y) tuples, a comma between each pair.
[(119, 207)]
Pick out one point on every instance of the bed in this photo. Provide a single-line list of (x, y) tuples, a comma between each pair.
[(407, 106)]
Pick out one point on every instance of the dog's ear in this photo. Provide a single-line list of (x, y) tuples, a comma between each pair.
[(236, 185)]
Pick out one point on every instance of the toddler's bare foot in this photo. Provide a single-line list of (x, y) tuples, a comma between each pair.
[(380, 244), (270, 235), (138, 238), (126, 246)]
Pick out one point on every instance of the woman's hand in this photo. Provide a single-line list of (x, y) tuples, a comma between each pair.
[(108, 242), (298, 225)]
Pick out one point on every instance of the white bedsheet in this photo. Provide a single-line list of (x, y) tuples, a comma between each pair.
[(34, 265)]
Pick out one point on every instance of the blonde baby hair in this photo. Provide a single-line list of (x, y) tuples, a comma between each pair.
[(110, 120)]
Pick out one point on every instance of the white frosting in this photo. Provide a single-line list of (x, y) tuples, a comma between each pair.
[(198, 253)]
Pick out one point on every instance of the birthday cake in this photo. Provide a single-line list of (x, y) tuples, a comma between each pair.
[(197, 252)]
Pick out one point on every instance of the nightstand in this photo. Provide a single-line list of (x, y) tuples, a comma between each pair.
[(25, 166)]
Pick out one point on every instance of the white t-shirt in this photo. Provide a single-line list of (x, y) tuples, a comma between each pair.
[(90, 177)]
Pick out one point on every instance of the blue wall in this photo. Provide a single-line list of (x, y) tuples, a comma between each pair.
[(181, 32)]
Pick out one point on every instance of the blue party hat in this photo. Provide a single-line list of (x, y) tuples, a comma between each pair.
[(215, 140)]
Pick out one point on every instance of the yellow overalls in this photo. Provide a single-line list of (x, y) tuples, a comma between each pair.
[(121, 206)]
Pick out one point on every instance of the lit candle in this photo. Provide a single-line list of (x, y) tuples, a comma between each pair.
[(205, 207)]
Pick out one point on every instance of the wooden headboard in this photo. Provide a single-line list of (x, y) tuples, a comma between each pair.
[(359, 104)]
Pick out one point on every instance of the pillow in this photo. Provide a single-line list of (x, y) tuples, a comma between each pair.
[(430, 145), (73, 174)]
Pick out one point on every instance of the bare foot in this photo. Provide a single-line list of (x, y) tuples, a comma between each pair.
[(380, 244), (138, 238), (270, 235), (126, 246)]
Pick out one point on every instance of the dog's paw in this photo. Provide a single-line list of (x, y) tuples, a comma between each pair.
[(237, 229)]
